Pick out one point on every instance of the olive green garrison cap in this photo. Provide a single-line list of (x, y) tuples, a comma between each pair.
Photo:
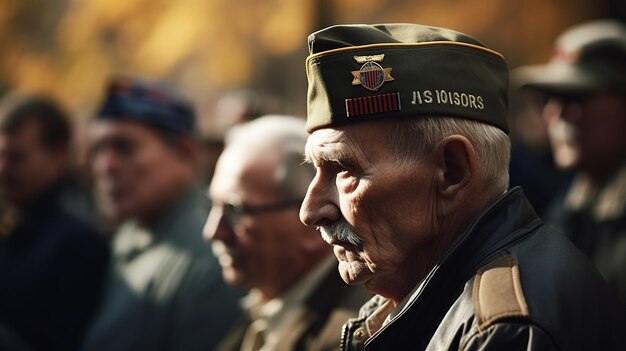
[(366, 72)]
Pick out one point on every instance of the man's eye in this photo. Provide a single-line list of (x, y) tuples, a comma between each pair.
[(340, 167), (123, 146), (347, 178), (346, 168)]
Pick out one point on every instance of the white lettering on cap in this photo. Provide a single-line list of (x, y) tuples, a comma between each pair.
[(444, 97)]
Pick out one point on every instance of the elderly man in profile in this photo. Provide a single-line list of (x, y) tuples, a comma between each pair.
[(164, 290), (408, 136), (297, 300)]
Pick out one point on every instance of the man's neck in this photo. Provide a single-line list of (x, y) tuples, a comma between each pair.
[(151, 217)]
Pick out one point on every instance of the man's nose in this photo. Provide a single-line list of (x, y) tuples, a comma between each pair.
[(104, 161), (320, 205), (216, 226), (568, 109)]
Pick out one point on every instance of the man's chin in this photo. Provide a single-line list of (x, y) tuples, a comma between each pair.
[(234, 277), (354, 273)]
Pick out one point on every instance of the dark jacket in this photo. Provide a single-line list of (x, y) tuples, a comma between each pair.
[(330, 304), (594, 219), (508, 283), (52, 268)]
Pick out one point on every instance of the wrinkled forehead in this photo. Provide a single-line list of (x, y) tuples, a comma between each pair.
[(98, 129), (328, 143), (324, 136), (369, 140)]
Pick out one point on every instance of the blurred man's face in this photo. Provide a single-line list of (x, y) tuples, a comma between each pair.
[(133, 168), (587, 132), (259, 249), (27, 166), (378, 215)]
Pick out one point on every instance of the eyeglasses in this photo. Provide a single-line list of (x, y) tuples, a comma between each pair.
[(234, 212)]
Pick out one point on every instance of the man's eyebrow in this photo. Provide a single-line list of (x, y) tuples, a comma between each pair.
[(334, 155), (324, 151), (306, 159)]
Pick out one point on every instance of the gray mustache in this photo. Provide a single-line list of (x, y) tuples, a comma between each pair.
[(341, 231)]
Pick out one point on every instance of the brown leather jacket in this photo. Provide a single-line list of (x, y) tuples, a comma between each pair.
[(508, 283)]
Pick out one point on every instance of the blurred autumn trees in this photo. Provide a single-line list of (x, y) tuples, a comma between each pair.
[(67, 48)]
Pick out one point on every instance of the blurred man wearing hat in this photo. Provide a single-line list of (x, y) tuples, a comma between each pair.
[(297, 300), (583, 95), (408, 136), (165, 290)]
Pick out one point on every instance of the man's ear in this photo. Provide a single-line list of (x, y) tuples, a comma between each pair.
[(457, 161)]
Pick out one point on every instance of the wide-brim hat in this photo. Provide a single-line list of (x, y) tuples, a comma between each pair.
[(588, 57)]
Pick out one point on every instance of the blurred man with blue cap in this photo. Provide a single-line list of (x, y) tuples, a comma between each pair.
[(165, 290)]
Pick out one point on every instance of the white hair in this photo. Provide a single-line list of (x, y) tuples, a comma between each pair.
[(284, 135), (413, 139)]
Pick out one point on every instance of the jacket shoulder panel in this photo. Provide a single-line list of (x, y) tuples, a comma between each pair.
[(497, 292), (510, 336)]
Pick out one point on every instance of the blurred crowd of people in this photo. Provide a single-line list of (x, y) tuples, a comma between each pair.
[(580, 96), (175, 241)]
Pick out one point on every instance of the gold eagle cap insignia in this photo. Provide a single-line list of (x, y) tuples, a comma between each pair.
[(371, 75)]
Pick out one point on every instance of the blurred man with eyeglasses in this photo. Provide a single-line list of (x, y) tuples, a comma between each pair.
[(583, 103), (165, 290), (297, 300)]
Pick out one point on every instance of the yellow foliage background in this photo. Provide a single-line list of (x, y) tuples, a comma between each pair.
[(68, 48)]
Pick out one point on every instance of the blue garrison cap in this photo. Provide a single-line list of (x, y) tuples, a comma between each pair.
[(146, 102)]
